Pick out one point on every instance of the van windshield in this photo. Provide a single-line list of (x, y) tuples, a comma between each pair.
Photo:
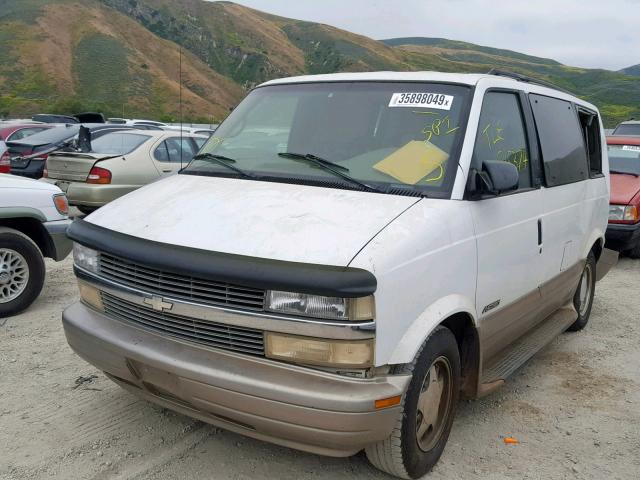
[(394, 137)]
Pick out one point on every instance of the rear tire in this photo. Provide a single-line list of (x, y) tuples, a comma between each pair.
[(583, 298), (634, 252), (21, 272), (419, 438)]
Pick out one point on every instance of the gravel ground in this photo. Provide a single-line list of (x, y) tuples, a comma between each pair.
[(573, 407)]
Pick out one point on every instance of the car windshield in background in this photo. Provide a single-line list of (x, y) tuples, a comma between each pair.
[(624, 159), (118, 143), (387, 136), (51, 135), (631, 129)]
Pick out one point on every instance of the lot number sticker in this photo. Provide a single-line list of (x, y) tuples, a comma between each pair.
[(634, 148), (422, 100)]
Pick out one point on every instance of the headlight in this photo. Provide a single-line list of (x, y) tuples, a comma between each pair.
[(90, 295), (330, 308), (623, 213), (315, 351), (85, 258)]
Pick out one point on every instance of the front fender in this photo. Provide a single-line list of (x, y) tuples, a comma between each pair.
[(426, 322)]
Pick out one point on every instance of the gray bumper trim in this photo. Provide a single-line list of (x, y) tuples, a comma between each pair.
[(292, 406), (62, 245)]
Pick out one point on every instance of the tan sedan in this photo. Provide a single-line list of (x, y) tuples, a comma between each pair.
[(119, 163)]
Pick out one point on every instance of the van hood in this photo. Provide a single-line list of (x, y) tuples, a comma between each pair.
[(623, 188), (296, 223)]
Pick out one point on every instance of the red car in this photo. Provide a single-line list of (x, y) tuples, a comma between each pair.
[(16, 131), (623, 232)]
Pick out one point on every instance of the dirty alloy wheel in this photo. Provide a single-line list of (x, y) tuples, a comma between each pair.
[(583, 298), (428, 409), (21, 272)]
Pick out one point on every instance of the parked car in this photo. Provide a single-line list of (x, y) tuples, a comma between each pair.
[(207, 132), (18, 131), (119, 163), (136, 122), (628, 128), (349, 254), (28, 155), (33, 225), (13, 132), (623, 232)]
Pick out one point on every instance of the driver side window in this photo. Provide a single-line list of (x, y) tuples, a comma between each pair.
[(502, 135)]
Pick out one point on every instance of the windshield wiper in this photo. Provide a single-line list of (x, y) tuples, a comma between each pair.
[(329, 166), (225, 162)]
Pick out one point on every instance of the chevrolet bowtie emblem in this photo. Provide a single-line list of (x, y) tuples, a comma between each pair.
[(158, 304)]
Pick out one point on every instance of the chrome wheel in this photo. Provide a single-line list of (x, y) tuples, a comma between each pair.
[(14, 275), (434, 403), (584, 295)]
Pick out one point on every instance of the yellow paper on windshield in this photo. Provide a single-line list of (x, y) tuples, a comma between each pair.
[(413, 162)]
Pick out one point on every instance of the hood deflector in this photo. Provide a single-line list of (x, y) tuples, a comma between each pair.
[(225, 267)]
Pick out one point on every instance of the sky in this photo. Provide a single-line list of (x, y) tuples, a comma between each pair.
[(581, 33)]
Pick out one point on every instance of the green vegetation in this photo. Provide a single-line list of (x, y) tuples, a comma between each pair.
[(101, 68)]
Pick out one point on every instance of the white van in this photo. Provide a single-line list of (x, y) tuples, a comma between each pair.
[(349, 254)]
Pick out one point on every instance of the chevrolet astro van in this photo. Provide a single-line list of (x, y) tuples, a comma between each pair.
[(348, 255)]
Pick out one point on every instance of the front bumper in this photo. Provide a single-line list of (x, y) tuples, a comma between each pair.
[(288, 405), (622, 237), (61, 245)]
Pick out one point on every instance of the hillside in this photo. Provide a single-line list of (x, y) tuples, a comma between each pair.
[(633, 70), (122, 57)]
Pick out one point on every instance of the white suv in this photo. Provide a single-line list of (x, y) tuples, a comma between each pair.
[(33, 224), (347, 255)]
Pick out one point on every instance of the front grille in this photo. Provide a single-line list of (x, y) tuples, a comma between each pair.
[(217, 335), (179, 287)]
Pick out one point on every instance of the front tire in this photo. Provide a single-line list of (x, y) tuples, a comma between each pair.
[(583, 298), (428, 409), (21, 272)]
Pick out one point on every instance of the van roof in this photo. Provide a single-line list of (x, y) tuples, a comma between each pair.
[(504, 78)]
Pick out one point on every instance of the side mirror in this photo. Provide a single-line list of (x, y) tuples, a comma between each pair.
[(496, 177)]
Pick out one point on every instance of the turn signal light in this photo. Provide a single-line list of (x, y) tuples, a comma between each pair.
[(100, 176), (61, 203)]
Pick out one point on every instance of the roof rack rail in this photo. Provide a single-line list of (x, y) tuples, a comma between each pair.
[(527, 79)]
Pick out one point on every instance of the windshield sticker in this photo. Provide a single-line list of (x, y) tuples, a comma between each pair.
[(438, 101), (411, 163), (633, 148)]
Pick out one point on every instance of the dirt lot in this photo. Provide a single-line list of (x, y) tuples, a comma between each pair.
[(574, 408)]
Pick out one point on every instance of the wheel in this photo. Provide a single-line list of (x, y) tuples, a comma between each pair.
[(86, 210), (634, 252), (424, 422), (21, 272), (583, 299)]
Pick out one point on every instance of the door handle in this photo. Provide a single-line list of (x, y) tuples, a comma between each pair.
[(166, 171), (539, 232)]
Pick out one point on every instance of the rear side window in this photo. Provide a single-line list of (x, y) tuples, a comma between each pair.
[(175, 150), (561, 141), (501, 135), (118, 143), (591, 132)]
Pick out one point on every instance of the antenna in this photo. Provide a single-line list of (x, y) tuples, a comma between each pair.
[(180, 89)]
